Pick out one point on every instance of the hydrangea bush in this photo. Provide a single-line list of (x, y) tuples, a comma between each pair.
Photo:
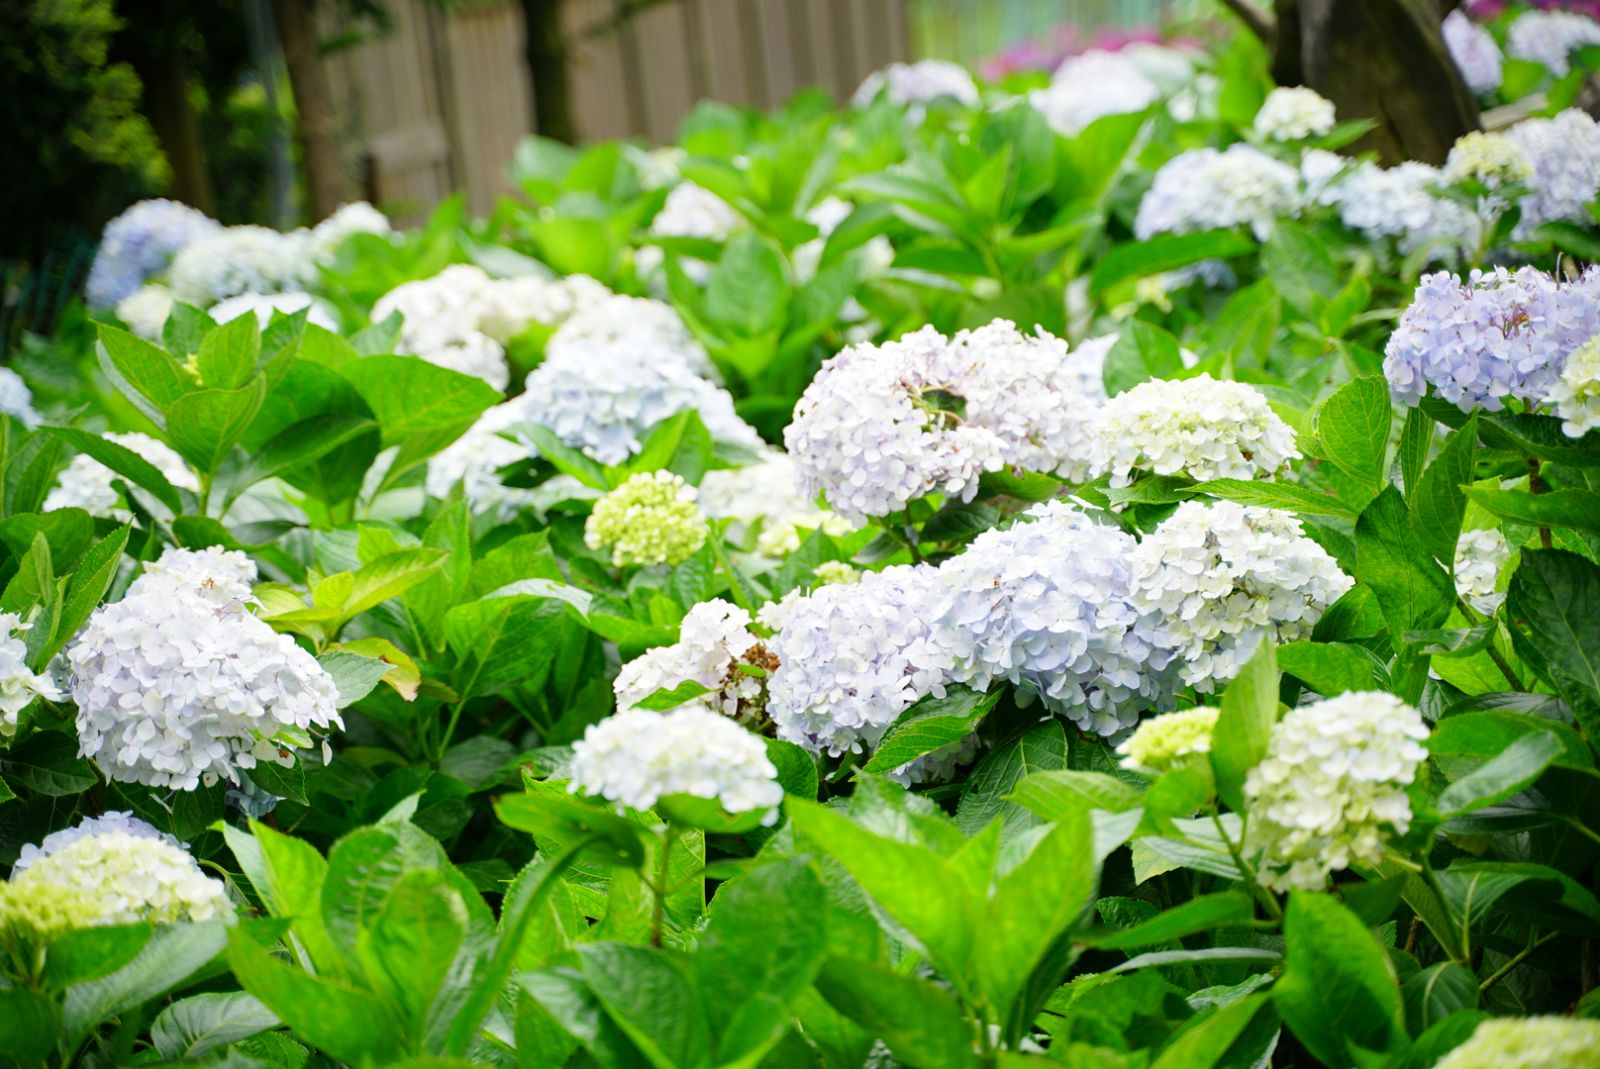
[(1081, 569)]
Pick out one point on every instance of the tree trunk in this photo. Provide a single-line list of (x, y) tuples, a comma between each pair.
[(326, 187), (166, 104), (1385, 60), (548, 70)]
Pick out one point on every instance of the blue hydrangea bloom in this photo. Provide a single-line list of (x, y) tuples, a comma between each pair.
[(139, 243)]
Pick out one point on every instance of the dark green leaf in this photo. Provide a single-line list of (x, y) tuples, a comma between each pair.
[(1352, 428)]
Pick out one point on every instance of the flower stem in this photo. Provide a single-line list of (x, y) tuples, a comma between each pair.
[(1264, 896), (1515, 960), (658, 889)]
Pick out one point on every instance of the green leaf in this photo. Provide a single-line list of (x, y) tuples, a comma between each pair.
[(1352, 428), (1416, 442), (1040, 749), (1300, 268), (1437, 503), (227, 356), (1249, 709), (90, 953), (1202, 914), (410, 953), (1204, 1043), (1502, 776), (1578, 509), (48, 763), (921, 1023), (30, 1023), (747, 292), (199, 1024), (1465, 740), (148, 368), (288, 874), (420, 407), (1055, 795), (1142, 351), (1338, 992), (124, 461), (679, 444), (1413, 591), (1553, 612), (1165, 252), (173, 954), (563, 457), (648, 996), (930, 724), (185, 328), (89, 583), (560, 818), (206, 424), (1274, 495), (354, 674), (1329, 668), (1436, 992), (504, 642), (301, 444)]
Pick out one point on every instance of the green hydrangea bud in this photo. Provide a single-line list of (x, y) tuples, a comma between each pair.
[(650, 519), (1158, 742), (1527, 1043)]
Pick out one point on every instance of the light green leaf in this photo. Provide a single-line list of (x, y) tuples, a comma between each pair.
[(124, 461), (1249, 709), (206, 424), (920, 1022), (227, 356), (1578, 509), (1413, 591), (1502, 776), (1286, 496), (199, 1024), (1352, 427), (1438, 502), (172, 955)]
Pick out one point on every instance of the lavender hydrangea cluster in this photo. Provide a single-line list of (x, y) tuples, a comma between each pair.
[(139, 243), (1475, 53), (1564, 152), (1208, 189), (1499, 334), (1393, 204), (1550, 37)]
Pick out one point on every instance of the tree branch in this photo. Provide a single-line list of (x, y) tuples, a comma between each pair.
[(1256, 20)]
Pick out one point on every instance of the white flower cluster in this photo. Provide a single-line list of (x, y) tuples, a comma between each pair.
[(826, 215), (761, 498), (1294, 113), (1499, 334), (918, 83), (357, 217), (1204, 189), (880, 426), (1550, 37), (1332, 782), (1480, 554), (1202, 428), (1474, 51), (1090, 86), (1048, 605), (651, 332), (690, 211), (1527, 1043), (852, 657), (714, 639), (650, 519), (120, 821), (19, 685), (1390, 204), (263, 305), (112, 876), (140, 243), (442, 318), (1215, 578), (16, 400), (178, 683), (86, 484), (1575, 396), (474, 460), (1159, 742), (239, 259), (1565, 154), (637, 757), (145, 310)]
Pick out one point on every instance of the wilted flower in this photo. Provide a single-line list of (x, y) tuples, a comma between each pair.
[(85, 483), (1480, 554), (650, 519), (1294, 113), (19, 685), (1090, 86), (139, 243), (1527, 1043), (637, 757), (1201, 428), (1576, 394), (1157, 743), (1474, 51), (1331, 786)]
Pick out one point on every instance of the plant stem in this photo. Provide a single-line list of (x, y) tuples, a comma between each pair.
[(1264, 896), (1536, 485), (1515, 960), (205, 492), (1492, 647), (658, 909)]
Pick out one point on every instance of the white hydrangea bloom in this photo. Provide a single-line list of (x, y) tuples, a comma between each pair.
[(1527, 1043), (1090, 86), (690, 211), (264, 304), (16, 400), (1474, 50), (178, 684), (85, 483), (442, 323), (1550, 38), (938, 766), (145, 310), (358, 217), (852, 657), (713, 640), (475, 460), (637, 757), (1331, 785), (1575, 396), (1202, 428), (826, 215), (1395, 204), (647, 331), (599, 399), (1565, 154), (239, 259), (512, 305), (1480, 554), (19, 686), (918, 83), (1294, 113), (1214, 578), (880, 426), (762, 498), (123, 878), (1048, 605), (1204, 189), (114, 820), (220, 577)]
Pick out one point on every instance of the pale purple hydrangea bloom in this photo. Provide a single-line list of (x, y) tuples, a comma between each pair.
[(1091, 86), (139, 243), (1475, 53), (1550, 37), (1204, 189), (118, 821), (1565, 154)]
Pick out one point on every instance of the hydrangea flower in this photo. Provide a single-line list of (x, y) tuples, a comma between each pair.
[(239, 259), (1204, 189), (637, 757), (474, 460), (1565, 154), (1499, 334), (119, 821), (1575, 396), (110, 877), (85, 483), (852, 657), (762, 498), (1157, 743), (1480, 554), (1048, 605), (1090, 86), (1550, 38), (1394, 204), (1475, 53), (1492, 160), (1527, 1043), (826, 215), (918, 83), (442, 316), (145, 310), (938, 766), (1216, 577), (265, 304), (16, 400), (1294, 113), (1332, 785), (690, 211), (178, 684), (601, 400), (1201, 428), (648, 331), (880, 426), (650, 519), (19, 685), (512, 305), (358, 217), (139, 243), (714, 639)]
